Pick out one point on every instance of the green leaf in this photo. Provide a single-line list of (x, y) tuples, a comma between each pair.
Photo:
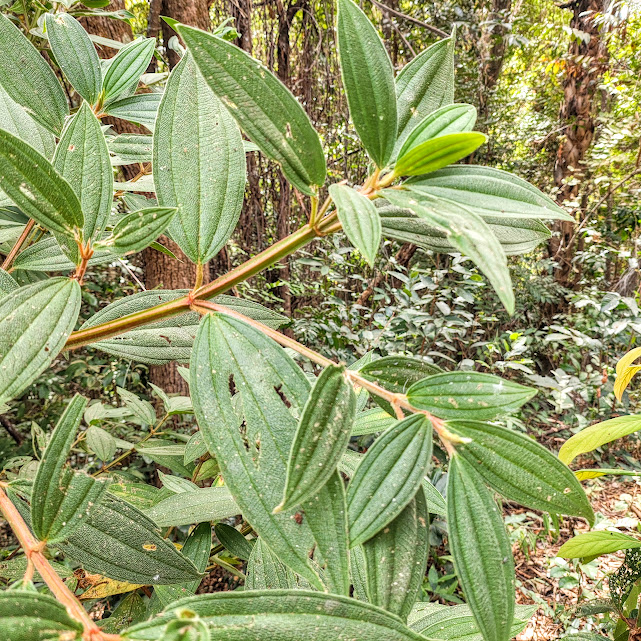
[(465, 395), (126, 68), (450, 119), (247, 393), (424, 85), (467, 232), (396, 374), (321, 438), (82, 159), (32, 183), (199, 164), (436, 153), (101, 443), (75, 54), (233, 540), (140, 109), (26, 615), (266, 572), (7, 283), (489, 191), (276, 614), (197, 506), (176, 484), (131, 609), (456, 623), (358, 217), (33, 85), (140, 408), (599, 434), (120, 542), (396, 559), (61, 499), (170, 339), (263, 107), (130, 149), (135, 231), (358, 573), (18, 122), (481, 550), (47, 256), (596, 543), (371, 422), (196, 549), (35, 322), (368, 78), (388, 477), (520, 469)]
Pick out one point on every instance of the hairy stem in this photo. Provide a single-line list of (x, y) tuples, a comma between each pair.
[(33, 551)]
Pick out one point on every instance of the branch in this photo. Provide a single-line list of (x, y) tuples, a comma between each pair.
[(404, 16), (19, 243)]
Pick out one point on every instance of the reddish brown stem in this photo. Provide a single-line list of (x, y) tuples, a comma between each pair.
[(19, 243)]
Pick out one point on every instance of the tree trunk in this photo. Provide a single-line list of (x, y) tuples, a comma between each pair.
[(584, 68)]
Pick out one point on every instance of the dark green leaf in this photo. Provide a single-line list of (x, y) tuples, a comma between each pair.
[(358, 217), (199, 164), (424, 85), (75, 54), (130, 610), (140, 109), (233, 540), (263, 107), (437, 153), (276, 614), (35, 322), (82, 159), (466, 231), (135, 231), (126, 68), (32, 183), (120, 542), (596, 543), (396, 558), (368, 78), (520, 469), (468, 395), (388, 477), (26, 615), (33, 85), (481, 550), (321, 438)]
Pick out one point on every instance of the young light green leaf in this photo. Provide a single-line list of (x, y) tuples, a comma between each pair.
[(481, 550), (26, 615), (233, 540), (32, 183), (177, 484), (388, 477), (396, 558), (599, 434), (450, 119), (199, 163), (126, 68), (247, 393), (263, 107), (368, 78), (135, 231), (520, 469), (436, 153), (466, 231), (18, 122), (75, 54), (140, 109), (465, 395), (101, 443), (120, 542), (140, 408), (130, 149), (33, 85), (197, 506), (196, 548), (273, 614), (61, 499), (82, 159), (266, 572), (424, 85), (358, 216), (596, 543), (35, 322), (321, 438)]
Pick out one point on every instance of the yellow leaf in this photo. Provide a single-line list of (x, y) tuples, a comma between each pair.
[(628, 359), (623, 380), (583, 475), (108, 587)]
